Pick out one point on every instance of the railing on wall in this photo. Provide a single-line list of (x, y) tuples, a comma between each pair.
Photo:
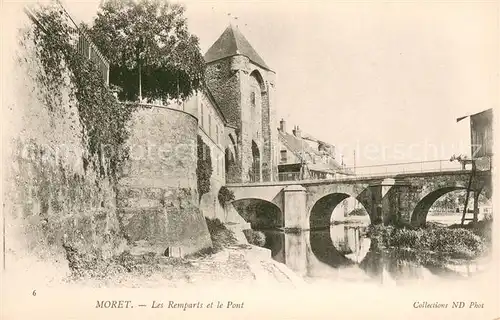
[(84, 45), (289, 176), (86, 48), (385, 169), (407, 167)]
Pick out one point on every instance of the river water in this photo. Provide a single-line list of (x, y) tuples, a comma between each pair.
[(343, 253)]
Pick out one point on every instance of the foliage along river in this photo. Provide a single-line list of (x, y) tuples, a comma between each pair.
[(343, 253)]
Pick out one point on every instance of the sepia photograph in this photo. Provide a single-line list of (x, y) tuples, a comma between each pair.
[(167, 159)]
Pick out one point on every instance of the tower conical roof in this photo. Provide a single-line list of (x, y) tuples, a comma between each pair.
[(232, 42)]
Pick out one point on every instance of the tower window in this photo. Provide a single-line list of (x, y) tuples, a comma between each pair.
[(252, 98)]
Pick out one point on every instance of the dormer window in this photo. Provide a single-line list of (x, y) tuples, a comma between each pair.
[(283, 155)]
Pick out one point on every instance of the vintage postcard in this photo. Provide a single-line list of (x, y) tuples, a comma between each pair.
[(168, 159)]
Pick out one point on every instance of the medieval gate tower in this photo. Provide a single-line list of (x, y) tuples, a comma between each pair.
[(244, 88)]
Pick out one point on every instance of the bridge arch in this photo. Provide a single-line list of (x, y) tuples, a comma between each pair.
[(419, 214), (322, 210), (261, 214)]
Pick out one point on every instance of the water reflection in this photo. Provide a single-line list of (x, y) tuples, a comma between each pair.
[(345, 252), (350, 241)]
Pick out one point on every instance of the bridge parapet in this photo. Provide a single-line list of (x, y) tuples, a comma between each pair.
[(399, 197), (363, 178)]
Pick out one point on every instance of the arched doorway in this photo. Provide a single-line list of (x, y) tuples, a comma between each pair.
[(255, 171), (261, 127)]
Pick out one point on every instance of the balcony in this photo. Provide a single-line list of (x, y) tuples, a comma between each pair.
[(289, 176)]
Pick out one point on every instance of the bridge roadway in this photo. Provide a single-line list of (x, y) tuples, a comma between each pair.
[(308, 204)]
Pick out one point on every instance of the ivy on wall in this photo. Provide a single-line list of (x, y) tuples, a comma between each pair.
[(103, 118), (204, 167)]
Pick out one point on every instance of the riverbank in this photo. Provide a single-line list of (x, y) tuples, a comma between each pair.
[(235, 265), (231, 260)]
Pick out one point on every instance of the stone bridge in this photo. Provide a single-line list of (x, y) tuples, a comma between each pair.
[(308, 204)]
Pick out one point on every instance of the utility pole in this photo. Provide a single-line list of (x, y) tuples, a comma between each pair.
[(302, 167), (354, 155)]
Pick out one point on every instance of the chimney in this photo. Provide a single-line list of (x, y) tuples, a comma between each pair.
[(283, 126), (296, 132), (321, 146)]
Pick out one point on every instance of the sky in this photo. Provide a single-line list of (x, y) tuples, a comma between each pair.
[(386, 80)]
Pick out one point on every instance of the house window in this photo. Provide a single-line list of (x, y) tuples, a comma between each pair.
[(252, 98), (209, 125), (217, 165), (201, 116), (283, 155), (217, 134)]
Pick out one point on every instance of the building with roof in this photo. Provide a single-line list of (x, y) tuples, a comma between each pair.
[(481, 132), (243, 86), (304, 157)]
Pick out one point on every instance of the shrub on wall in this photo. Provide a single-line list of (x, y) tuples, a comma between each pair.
[(358, 212), (204, 167), (225, 195), (220, 235), (254, 237)]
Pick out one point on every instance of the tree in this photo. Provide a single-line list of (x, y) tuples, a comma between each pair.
[(149, 47)]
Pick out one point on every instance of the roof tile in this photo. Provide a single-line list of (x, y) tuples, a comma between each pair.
[(232, 42)]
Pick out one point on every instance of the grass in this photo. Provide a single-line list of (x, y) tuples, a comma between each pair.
[(93, 265), (445, 242), (482, 228), (85, 265)]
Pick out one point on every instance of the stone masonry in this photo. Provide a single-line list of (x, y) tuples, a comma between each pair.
[(406, 197), (157, 194), (244, 91)]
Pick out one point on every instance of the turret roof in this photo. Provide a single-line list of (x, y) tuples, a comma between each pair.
[(232, 42)]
